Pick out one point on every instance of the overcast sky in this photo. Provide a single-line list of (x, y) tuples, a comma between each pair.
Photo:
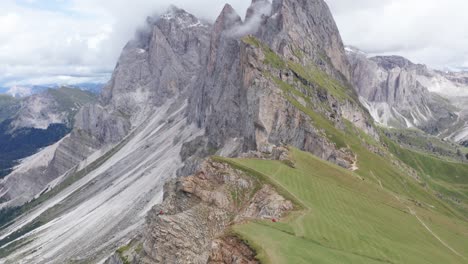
[(69, 41)]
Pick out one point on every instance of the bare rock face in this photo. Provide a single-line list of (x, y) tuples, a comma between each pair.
[(155, 67), (230, 250), (159, 64), (236, 97), (308, 24), (399, 93), (104, 126), (39, 111), (218, 100), (95, 127), (244, 93), (52, 106), (197, 209), (114, 259)]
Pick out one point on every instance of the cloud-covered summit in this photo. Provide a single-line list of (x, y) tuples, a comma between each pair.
[(56, 41)]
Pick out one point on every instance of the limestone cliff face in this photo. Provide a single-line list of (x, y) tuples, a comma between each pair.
[(183, 90), (399, 93), (159, 64), (241, 99), (154, 68), (39, 112), (179, 57), (307, 25), (218, 100), (236, 98)]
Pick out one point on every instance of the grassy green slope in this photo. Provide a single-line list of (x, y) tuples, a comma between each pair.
[(390, 210), (448, 180), (418, 140), (381, 166), (348, 220)]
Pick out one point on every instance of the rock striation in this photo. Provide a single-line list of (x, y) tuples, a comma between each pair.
[(401, 94), (159, 63), (237, 97), (121, 150)]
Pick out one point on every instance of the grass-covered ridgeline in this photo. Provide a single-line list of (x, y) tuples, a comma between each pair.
[(347, 220)]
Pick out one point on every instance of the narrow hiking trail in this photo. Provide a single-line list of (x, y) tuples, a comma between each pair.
[(380, 182), (306, 209), (434, 234), (420, 221), (354, 166)]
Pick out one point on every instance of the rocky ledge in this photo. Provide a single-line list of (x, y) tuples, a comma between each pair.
[(192, 224)]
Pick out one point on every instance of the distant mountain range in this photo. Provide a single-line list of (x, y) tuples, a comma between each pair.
[(247, 140), (19, 91), (30, 123), (401, 94)]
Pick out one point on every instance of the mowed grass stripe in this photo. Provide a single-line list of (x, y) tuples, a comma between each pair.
[(345, 217)]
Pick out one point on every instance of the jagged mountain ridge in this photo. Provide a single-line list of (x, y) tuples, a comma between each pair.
[(157, 73), (152, 129), (182, 91), (210, 102), (131, 95), (21, 91), (401, 94), (51, 106), (34, 122)]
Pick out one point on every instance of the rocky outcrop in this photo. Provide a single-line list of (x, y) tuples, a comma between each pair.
[(237, 97), (231, 250), (199, 208), (189, 226)]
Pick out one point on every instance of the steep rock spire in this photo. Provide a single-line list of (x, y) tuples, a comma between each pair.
[(160, 63), (310, 26)]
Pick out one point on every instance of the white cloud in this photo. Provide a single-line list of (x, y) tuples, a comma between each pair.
[(40, 43), (426, 31), (84, 37)]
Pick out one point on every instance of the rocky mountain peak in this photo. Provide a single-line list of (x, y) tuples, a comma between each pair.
[(306, 25), (354, 51), (159, 63), (391, 62), (228, 18), (180, 18), (399, 93), (240, 98)]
